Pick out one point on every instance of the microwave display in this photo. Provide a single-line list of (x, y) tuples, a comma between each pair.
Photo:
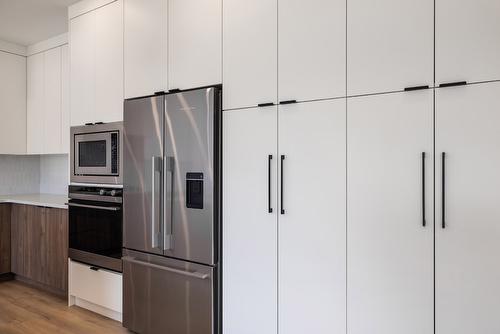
[(92, 153)]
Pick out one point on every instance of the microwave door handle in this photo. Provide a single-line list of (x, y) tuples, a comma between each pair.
[(155, 226), (168, 196)]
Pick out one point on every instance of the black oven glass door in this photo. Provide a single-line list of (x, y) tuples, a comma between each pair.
[(96, 227)]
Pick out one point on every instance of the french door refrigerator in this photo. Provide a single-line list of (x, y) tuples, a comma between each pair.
[(171, 212)]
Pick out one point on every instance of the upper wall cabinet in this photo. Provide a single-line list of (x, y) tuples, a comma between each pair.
[(195, 43), (390, 45), (12, 104), (96, 52), (47, 98), (145, 47), (467, 40), (311, 49), (250, 53)]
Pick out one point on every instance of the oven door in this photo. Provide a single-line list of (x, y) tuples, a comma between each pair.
[(95, 233), (93, 154)]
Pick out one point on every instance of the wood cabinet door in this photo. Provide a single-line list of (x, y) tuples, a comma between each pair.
[(250, 228), (250, 53), (390, 45), (467, 245), (5, 211), (311, 49), (145, 47), (390, 273), (312, 218), (55, 245), (195, 43), (35, 103), (467, 40)]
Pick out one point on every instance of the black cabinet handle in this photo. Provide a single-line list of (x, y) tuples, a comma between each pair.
[(410, 89), (423, 190), (270, 158), (268, 104), (288, 102), (443, 190), (453, 84), (282, 163)]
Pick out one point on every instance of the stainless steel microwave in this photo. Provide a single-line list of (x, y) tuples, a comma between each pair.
[(96, 153)]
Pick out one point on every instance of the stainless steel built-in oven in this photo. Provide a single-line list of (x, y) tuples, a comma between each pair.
[(95, 226), (96, 153)]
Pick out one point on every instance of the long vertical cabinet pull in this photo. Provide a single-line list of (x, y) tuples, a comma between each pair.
[(269, 162), (423, 190), (443, 190), (281, 185)]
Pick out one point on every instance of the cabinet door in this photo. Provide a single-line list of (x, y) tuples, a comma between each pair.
[(5, 213), (312, 221), (65, 104), (467, 248), (195, 43), (12, 104), (249, 221), (467, 43), (312, 55), (55, 247), (51, 122), (82, 55), (145, 47), (109, 62), (249, 52), (35, 103), (389, 250), (390, 45)]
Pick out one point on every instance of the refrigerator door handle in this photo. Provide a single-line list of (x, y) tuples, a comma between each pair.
[(194, 274), (168, 196), (155, 225)]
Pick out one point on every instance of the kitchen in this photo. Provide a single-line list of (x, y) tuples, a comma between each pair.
[(242, 167)]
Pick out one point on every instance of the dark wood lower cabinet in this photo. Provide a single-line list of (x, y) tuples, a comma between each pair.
[(4, 238), (39, 240)]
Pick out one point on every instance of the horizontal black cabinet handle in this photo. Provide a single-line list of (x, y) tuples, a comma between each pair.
[(159, 92), (268, 104), (288, 102), (94, 268), (453, 84), (174, 90), (410, 89)]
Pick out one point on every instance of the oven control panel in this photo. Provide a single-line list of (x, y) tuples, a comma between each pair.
[(96, 193)]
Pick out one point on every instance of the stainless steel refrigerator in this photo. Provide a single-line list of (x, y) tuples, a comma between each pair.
[(171, 210)]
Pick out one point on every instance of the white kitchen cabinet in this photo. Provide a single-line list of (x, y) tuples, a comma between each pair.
[(145, 47), (467, 247), (390, 45), (312, 219), (82, 69), (467, 43), (249, 53), (96, 57), (52, 111), (195, 43), (312, 49), (35, 103), (12, 103), (65, 102), (109, 63), (389, 250), (249, 226)]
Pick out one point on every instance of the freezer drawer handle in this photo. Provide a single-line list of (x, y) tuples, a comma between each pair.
[(108, 208), (194, 274)]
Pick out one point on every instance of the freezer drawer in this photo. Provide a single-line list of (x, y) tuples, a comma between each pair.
[(163, 295)]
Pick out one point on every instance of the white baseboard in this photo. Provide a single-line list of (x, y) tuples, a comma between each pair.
[(96, 308)]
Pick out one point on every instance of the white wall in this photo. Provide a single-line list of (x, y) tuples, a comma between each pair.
[(19, 174), (54, 174)]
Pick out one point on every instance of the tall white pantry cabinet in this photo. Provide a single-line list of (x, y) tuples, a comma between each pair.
[(363, 198)]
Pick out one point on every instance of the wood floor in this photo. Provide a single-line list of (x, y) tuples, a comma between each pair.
[(25, 310)]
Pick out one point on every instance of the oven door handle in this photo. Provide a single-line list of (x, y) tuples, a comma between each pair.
[(107, 208)]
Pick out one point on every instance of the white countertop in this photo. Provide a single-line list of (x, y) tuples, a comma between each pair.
[(48, 200)]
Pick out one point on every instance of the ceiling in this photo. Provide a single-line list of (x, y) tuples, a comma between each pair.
[(26, 22)]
